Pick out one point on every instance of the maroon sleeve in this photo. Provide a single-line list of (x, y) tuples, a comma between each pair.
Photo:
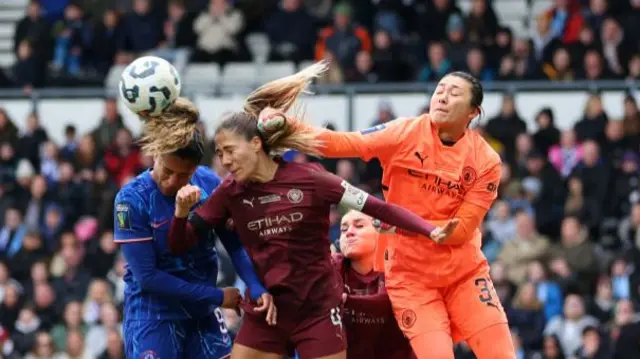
[(184, 233), (182, 236), (214, 212), (335, 190)]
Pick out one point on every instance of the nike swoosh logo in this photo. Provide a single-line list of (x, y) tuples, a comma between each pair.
[(159, 224)]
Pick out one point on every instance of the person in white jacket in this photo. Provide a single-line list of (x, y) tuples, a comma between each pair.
[(216, 30)]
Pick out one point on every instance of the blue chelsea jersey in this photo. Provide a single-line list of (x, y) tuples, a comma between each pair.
[(143, 213)]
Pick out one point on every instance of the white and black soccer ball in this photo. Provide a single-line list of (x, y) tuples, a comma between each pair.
[(148, 85)]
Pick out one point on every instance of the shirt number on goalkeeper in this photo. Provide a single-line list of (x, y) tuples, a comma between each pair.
[(220, 318), (336, 318)]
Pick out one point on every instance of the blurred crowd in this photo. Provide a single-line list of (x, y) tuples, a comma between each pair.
[(63, 42)]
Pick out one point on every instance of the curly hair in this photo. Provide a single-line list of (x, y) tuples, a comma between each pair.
[(172, 130)]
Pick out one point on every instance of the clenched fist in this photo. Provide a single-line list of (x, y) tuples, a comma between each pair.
[(187, 197)]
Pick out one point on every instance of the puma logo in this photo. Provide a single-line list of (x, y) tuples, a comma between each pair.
[(417, 154), (248, 202)]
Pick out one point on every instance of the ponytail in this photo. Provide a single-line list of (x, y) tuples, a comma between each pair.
[(281, 95)]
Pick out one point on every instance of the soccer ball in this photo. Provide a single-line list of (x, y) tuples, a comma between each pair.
[(148, 85)]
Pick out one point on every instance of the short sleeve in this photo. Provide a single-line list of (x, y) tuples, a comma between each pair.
[(131, 221), (214, 212), (485, 189)]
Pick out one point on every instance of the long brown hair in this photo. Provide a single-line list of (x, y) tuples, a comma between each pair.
[(280, 94), (172, 130)]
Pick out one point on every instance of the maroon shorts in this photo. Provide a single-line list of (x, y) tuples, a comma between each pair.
[(312, 337)]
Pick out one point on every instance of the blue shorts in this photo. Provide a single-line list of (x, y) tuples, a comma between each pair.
[(205, 338)]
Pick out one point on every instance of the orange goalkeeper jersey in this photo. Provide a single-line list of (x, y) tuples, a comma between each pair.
[(436, 181)]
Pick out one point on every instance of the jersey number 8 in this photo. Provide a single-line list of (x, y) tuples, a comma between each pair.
[(336, 319)]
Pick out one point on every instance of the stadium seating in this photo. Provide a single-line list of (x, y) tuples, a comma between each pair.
[(10, 12), (201, 77)]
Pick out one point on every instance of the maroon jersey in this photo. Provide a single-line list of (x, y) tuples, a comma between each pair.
[(284, 226), (372, 331)]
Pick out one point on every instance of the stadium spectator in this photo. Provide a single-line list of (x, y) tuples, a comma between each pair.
[(547, 134), (566, 20), (559, 69), (616, 49), (287, 44), (544, 40), (343, 39), (105, 37), (434, 22), (27, 73), (389, 66), (122, 158), (527, 317), (482, 23), (438, 63), (110, 124), (364, 71), (179, 35), (456, 43), (71, 41), (141, 31), (35, 29), (216, 29), (507, 125), (570, 326), (526, 246)]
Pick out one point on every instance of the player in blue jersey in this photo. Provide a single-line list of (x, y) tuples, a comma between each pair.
[(171, 302)]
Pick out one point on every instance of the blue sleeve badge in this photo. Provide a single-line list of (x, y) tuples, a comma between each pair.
[(373, 129), (123, 217)]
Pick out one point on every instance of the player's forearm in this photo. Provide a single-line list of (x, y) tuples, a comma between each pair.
[(242, 263), (141, 259), (338, 144), (377, 304), (397, 216), (470, 216), (182, 236)]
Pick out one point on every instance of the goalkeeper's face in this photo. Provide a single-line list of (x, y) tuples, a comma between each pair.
[(172, 173)]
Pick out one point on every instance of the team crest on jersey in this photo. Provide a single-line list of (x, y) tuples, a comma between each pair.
[(149, 354), (295, 195), (409, 318), (468, 176), (373, 129), (123, 218)]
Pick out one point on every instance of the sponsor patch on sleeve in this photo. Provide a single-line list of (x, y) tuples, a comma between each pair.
[(373, 129), (353, 197), (123, 217)]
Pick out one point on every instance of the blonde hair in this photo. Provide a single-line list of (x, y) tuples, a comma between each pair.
[(282, 94), (171, 130)]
